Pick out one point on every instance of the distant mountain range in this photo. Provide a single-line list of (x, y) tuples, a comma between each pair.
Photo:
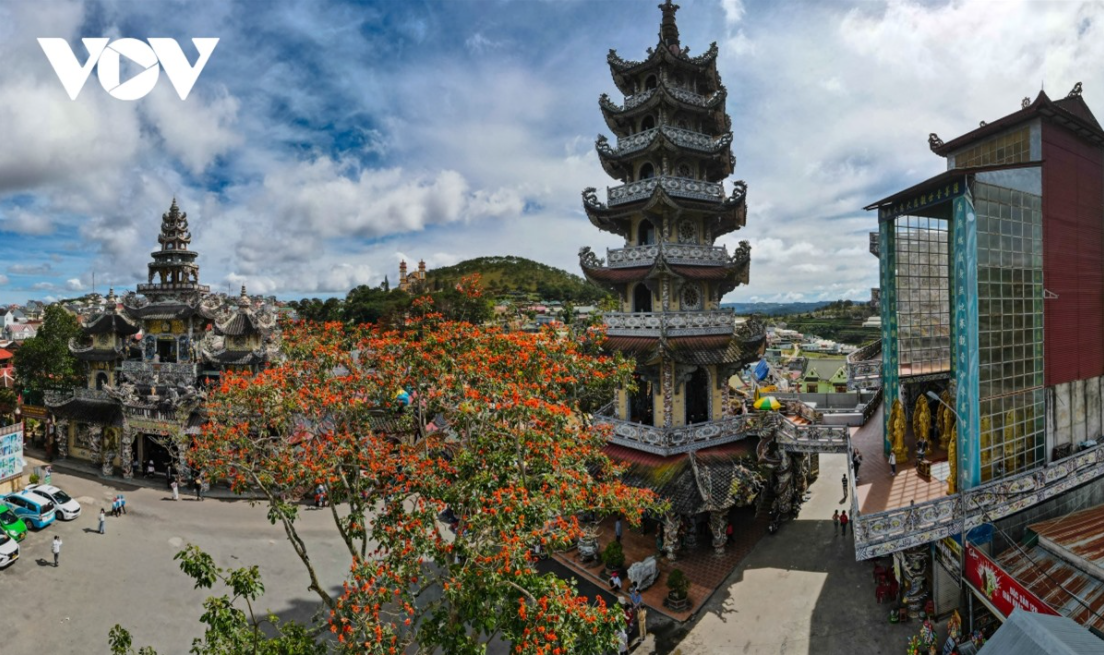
[(776, 308)]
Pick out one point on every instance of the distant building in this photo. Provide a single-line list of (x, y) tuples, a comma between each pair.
[(149, 356), (413, 281), (20, 331)]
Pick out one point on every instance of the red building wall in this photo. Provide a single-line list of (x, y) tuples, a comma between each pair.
[(1073, 256)]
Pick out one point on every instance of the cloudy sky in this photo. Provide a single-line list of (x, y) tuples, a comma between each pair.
[(325, 140)]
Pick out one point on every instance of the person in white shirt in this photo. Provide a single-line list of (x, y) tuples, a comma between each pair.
[(57, 549)]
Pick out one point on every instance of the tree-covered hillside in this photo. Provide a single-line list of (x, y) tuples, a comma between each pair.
[(502, 275)]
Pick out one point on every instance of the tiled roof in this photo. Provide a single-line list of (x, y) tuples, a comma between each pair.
[(111, 323), (1071, 109), (90, 411)]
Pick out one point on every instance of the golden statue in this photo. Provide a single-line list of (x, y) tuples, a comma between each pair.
[(921, 420), (897, 432)]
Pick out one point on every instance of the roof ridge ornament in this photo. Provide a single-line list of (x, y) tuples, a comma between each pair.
[(934, 142), (668, 30), (1025, 103), (1075, 92)]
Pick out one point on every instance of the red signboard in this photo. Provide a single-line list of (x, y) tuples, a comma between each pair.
[(1001, 589)]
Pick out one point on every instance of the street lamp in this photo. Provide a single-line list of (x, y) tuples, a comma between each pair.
[(961, 453)]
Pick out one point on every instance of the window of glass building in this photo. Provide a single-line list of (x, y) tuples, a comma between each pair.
[(923, 296), (1010, 330), (1010, 148)]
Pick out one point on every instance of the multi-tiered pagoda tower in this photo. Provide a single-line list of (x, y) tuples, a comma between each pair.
[(672, 156)]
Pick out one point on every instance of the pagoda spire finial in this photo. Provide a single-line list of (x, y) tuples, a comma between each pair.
[(668, 30)]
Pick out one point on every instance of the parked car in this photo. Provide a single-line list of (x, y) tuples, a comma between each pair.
[(9, 550), (67, 508), (12, 525), (32, 508)]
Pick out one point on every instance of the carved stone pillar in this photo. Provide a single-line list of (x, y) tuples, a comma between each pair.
[(668, 393), (125, 441), (718, 522), (726, 395), (61, 438), (672, 523)]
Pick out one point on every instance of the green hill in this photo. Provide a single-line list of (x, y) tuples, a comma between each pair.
[(503, 276)]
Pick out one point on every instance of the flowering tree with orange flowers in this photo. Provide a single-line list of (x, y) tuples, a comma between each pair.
[(447, 451)]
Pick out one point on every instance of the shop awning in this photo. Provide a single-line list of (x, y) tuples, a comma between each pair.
[(1028, 633)]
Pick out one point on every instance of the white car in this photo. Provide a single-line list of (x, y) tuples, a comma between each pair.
[(9, 550), (67, 508)]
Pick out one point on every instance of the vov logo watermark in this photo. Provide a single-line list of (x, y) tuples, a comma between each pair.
[(106, 55)]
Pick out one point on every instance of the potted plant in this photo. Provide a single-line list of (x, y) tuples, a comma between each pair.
[(678, 586), (613, 557)]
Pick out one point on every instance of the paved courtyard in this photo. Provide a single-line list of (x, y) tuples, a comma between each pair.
[(128, 575), (798, 592)]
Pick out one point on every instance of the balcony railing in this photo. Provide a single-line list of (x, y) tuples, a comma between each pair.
[(174, 286), (654, 324), (684, 438), (675, 186), (160, 374), (674, 253), (811, 438), (864, 367), (881, 533)]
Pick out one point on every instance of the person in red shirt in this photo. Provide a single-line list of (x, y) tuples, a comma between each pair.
[(843, 521)]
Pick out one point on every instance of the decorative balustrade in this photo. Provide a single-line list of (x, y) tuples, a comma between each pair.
[(684, 438), (674, 253), (881, 533), (812, 438), (654, 324), (674, 186), (638, 98), (180, 374), (174, 286), (864, 367)]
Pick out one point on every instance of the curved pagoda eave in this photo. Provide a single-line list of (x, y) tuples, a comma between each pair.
[(725, 277), (721, 217), (619, 118), (625, 71), (618, 164)]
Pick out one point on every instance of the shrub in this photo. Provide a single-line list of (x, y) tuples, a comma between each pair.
[(613, 556), (34, 478), (678, 583)]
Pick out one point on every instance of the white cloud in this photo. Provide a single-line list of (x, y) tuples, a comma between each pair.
[(30, 269), (21, 221), (733, 11), (3, 279), (74, 284)]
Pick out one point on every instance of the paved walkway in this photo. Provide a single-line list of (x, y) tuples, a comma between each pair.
[(799, 591), (877, 489)]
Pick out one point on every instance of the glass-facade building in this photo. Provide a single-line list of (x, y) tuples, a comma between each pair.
[(992, 288)]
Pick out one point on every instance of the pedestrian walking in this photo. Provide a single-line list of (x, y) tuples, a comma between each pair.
[(56, 547), (103, 519), (856, 461), (835, 522), (844, 482), (617, 529), (175, 489), (122, 503), (635, 597), (199, 488), (115, 506), (843, 521), (892, 463)]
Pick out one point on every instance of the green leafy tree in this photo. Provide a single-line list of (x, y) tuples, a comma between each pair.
[(44, 362), (8, 401), (230, 629)]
